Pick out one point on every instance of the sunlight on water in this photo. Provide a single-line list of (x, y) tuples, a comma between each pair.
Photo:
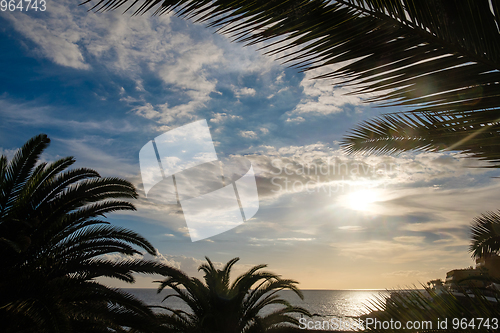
[(324, 304)]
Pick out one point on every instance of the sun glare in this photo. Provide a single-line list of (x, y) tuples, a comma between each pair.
[(361, 200)]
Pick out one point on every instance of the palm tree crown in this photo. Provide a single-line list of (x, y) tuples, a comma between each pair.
[(224, 307), (51, 244), (485, 235)]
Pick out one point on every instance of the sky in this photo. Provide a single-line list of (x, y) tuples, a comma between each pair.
[(102, 85)]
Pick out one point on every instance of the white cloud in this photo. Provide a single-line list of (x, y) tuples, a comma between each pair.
[(9, 153), (248, 134), (397, 253), (409, 239), (282, 89), (147, 111), (279, 78), (323, 96), (239, 92), (296, 239), (281, 241), (222, 117), (56, 35), (137, 47), (128, 46), (295, 120), (352, 228), (409, 273)]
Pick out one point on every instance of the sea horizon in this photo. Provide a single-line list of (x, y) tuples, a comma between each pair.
[(324, 304), (304, 289)]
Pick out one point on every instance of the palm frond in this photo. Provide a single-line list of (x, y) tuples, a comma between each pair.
[(485, 232), (470, 133), (16, 173), (440, 57), (106, 232)]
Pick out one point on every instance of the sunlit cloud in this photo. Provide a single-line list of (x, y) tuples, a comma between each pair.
[(241, 92), (409, 273), (248, 134), (322, 97), (352, 227), (409, 239), (396, 252), (222, 117)]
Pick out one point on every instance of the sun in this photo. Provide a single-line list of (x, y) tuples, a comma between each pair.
[(361, 200)]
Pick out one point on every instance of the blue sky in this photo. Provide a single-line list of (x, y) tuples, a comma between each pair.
[(103, 85)]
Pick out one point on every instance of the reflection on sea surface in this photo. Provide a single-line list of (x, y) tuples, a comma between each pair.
[(325, 304)]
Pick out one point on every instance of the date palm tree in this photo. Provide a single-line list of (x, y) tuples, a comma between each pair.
[(442, 58), (217, 305), (52, 242)]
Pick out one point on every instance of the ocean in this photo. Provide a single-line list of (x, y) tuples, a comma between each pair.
[(337, 305)]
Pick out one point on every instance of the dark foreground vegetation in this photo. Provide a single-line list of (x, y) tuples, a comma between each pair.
[(52, 238), (436, 311), (52, 241)]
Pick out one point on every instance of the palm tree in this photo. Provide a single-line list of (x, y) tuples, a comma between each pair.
[(485, 232), (52, 240), (440, 57), (224, 307)]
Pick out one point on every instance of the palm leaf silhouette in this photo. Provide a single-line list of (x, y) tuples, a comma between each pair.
[(52, 241), (439, 57), (217, 305)]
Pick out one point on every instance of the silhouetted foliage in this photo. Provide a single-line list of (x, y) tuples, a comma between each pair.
[(217, 305), (52, 239)]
